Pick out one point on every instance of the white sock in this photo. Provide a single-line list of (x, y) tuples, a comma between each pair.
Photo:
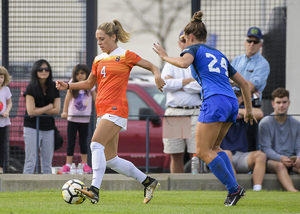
[(69, 165), (257, 187), (98, 163), (126, 168)]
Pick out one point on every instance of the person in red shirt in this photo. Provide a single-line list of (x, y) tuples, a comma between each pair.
[(111, 71)]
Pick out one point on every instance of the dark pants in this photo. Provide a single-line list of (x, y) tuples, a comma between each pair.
[(2, 145), (82, 129), (252, 137)]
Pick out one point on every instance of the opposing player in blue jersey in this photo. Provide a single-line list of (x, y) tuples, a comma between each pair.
[(220, 106)]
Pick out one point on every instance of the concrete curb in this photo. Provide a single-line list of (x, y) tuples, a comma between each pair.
[(117, 182)]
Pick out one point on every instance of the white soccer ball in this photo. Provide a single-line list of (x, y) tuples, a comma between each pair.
[(68, 192)]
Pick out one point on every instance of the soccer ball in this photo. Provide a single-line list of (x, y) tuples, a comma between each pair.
[(68, 192)]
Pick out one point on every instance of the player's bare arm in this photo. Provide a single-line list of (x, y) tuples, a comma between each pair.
[(182, 62), (154, 69), (82, 85), (246, 95)]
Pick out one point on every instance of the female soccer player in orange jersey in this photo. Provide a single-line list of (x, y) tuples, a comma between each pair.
[(111, 71)]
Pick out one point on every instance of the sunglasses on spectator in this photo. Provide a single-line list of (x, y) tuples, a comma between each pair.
[(43, 69), (254, 41)]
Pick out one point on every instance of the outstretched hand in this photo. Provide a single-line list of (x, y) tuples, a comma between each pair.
[(159, 50), (250, 117), (60, 85)]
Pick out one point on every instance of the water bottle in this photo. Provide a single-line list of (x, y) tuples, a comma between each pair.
[(80, 169), (204, 165), (195, 164), (73, 169)]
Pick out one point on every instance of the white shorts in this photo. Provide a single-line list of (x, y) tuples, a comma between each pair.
[(119, 121), (176, 145), (240, 162)]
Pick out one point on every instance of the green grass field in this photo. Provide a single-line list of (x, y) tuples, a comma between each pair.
[(169, 202)]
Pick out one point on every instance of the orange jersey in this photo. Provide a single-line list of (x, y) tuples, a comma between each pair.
[(112, 71)]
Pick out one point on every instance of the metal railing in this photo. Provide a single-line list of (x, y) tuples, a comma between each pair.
[(147, 118)]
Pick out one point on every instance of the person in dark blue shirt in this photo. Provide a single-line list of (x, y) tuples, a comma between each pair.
[(220, 107), (236, 146)]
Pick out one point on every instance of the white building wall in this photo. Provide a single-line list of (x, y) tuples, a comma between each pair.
[(292, 55), (142, 43)]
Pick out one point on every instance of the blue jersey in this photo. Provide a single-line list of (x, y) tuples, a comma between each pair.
[(213, 69)]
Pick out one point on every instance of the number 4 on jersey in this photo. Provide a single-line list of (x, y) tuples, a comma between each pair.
[(103, 71)]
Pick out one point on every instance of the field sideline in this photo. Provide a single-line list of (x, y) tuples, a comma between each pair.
[(50, 201), (117, 182)]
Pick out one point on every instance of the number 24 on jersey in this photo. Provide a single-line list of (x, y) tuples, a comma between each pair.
[(214, 60)]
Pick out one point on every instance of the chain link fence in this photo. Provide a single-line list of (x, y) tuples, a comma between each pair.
[(228, 22), (55, 30)]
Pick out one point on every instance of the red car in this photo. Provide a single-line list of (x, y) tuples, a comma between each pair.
[(143, 99)]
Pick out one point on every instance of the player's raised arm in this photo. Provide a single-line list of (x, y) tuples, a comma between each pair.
[(182, 62)]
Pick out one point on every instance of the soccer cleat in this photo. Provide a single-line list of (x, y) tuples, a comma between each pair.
[(233, 198), (149, 190), (225, 202), (86, 168), (65, 169), (90, 193)]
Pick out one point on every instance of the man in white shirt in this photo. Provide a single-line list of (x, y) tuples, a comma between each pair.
[(183, 98)]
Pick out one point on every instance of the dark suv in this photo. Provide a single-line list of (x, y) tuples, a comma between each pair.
[(143, 99)]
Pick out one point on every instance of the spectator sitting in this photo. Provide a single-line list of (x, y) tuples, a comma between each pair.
[(236, 147), (279, 139)]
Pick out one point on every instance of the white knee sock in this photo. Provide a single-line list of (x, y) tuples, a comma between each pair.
[(98, 163), (126, 168)]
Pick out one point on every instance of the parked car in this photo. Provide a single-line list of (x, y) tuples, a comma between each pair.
[(143, 99)]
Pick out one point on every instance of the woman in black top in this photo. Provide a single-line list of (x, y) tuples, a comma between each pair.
[(42, 98)]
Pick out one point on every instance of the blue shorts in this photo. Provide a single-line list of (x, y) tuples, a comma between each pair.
[(219, 108)]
